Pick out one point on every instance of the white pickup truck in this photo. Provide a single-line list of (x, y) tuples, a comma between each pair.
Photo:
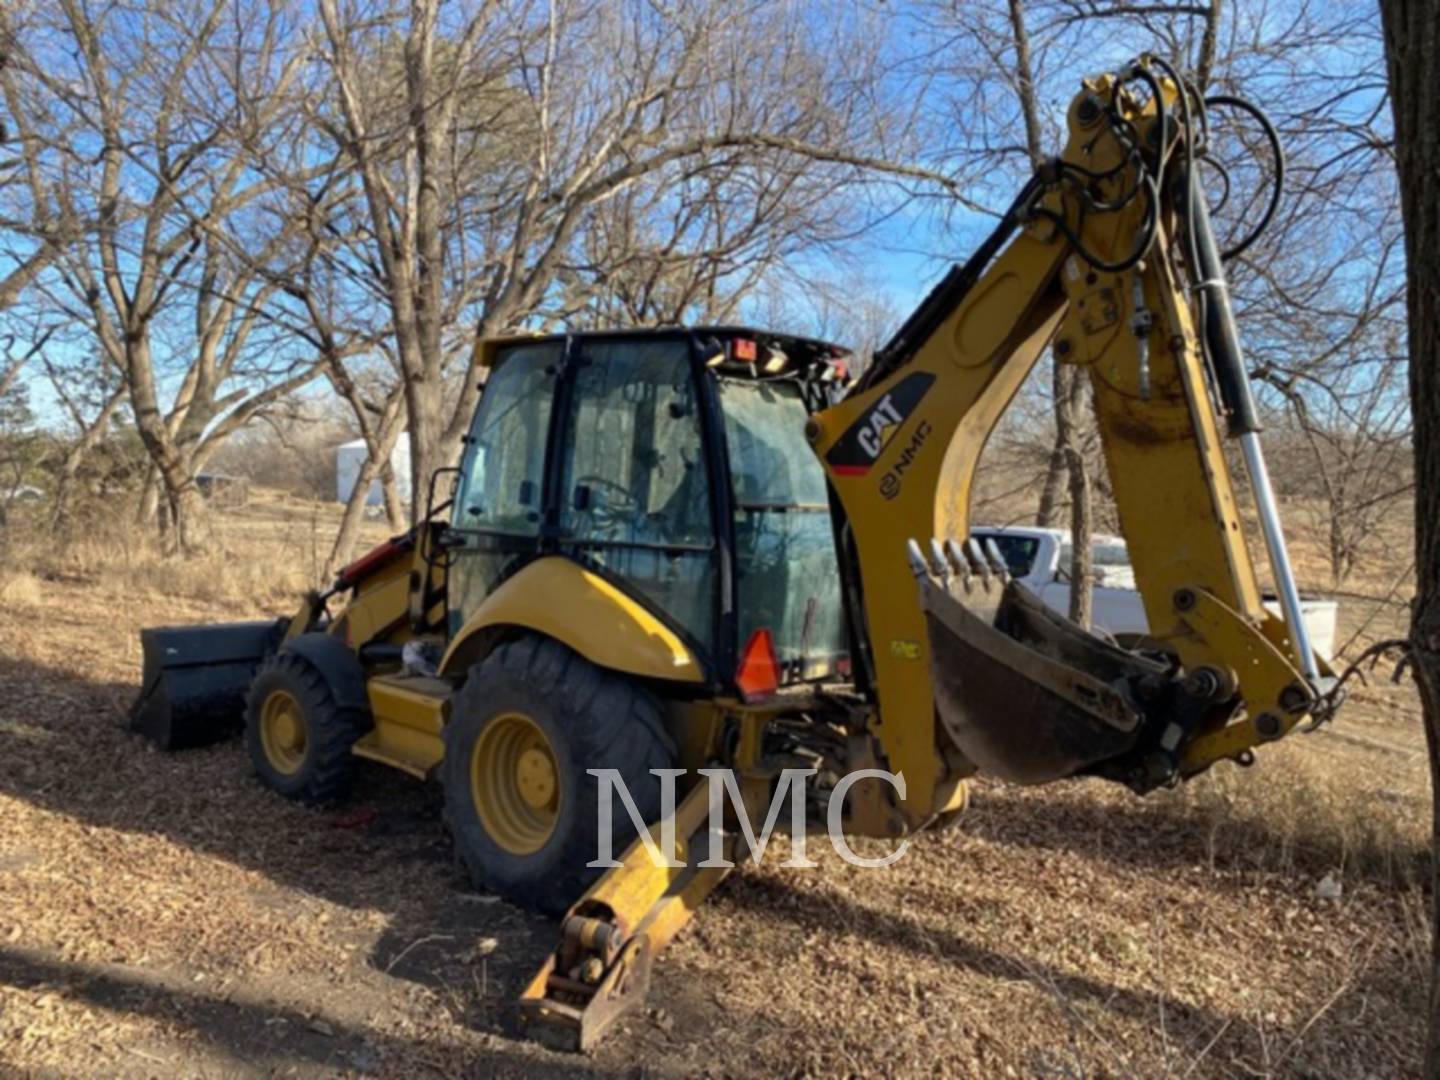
[(1041, 559)]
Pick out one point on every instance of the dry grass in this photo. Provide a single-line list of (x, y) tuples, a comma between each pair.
[(1353, 797), (268, 551), (165, 915), (21, 591)]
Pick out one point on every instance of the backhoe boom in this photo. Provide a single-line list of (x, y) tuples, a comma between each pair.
[(1091, 258)]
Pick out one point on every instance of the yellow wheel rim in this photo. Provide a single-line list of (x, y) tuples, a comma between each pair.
[(515, 783), (282, 731)]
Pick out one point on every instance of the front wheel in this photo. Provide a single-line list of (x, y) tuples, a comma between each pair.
[(298, 738), (524, 812)]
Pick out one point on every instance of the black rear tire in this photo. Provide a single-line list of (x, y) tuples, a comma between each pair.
[(592, 719), (320, 769)]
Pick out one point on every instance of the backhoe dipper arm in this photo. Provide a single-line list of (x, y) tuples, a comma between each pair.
[(1091, 256)]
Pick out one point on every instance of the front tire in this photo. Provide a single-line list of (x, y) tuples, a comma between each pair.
[(298, 738), (523, 811)]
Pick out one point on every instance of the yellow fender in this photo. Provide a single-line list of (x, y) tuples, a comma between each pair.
[(563, 600)]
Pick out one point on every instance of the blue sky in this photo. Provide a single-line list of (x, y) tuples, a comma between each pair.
[(906, 253)]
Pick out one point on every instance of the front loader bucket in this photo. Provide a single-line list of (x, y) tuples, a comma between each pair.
[(1026, 695), (193, 688)]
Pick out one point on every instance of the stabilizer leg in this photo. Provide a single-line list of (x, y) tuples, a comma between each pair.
[(609, 939)]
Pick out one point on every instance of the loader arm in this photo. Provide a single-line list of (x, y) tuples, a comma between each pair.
[(1091, 257)]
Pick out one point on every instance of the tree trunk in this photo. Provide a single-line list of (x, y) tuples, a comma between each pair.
[(65, 486), (1047, 515), (193, 533), (149, 504), (394, 509), (1068, 409), (426, 425), (1062, 377), (1412, 49), (1205, 62), (1339, 551), (350, 522), (185, 528), (161, 520), (1082, 578)]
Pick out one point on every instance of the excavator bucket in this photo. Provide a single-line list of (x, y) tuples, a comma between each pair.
[(1026, 695), (193, 688)]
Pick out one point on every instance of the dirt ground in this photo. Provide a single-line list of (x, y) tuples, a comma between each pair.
[(163, 915)]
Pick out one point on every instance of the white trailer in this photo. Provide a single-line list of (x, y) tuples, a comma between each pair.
[(350, 459)]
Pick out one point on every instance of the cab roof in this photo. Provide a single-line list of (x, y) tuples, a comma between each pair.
[(802, 350)]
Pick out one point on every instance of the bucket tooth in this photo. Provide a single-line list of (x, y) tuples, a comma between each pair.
[(956, 557), (980, 593), (997, 561), (919, 565), (980, 560), (938, 564)]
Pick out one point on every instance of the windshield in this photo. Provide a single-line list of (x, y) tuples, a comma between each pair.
[(504, 461), (1108, 551), (1109, 562), (787, 572), (1018, 551)]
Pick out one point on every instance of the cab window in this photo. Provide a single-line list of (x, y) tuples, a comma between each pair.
[(634, 497), (498, 509), (504, 463), (787, 572)]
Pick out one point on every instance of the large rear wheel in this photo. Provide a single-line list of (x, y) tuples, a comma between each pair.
[(523, 810)]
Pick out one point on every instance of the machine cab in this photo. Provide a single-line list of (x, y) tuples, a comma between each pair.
[(674, 465)]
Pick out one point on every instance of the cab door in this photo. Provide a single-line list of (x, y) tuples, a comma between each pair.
[(634, 498), (499, 508)]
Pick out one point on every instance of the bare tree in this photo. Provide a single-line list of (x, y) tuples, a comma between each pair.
[(180, 100), (1353, 459), (1412, 48), (525, 133), (34, 227), (692, 242), (337, 310)]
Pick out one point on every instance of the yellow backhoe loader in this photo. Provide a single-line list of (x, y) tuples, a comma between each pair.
[(680, 548)]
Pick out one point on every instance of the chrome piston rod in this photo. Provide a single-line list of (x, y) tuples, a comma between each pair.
[(1233, 380), (1279, 556)]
